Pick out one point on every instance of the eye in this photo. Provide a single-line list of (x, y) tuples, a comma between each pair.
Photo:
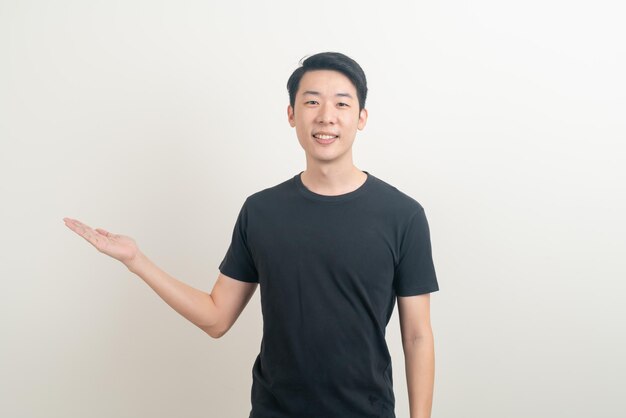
[(310, 101), (342, 103)]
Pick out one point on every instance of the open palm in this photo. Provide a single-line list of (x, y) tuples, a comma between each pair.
[(120, 247)]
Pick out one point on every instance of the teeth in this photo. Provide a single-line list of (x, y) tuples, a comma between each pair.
[(325, 136)]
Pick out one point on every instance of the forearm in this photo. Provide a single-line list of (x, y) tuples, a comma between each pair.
[(419, 356), (195, 305)]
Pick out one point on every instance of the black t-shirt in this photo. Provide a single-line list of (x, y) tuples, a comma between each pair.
[(329, 269)]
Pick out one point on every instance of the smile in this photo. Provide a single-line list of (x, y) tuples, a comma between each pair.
[(325, 139)]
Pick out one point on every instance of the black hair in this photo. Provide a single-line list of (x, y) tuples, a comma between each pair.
[(330, 61)]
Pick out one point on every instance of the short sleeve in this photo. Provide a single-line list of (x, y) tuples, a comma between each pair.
[(415, 271), (238, 262)]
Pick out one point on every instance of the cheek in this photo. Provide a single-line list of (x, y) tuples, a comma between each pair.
[(349, 123), (303, 134)]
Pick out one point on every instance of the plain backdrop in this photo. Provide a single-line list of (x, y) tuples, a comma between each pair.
[(156, 119)]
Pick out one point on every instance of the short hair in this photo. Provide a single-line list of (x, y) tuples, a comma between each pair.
[(330, 61)]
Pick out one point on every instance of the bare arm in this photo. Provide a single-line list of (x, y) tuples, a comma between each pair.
[(419, 352), (213, 312)]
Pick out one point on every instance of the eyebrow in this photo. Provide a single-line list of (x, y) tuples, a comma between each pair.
[(316, 93)]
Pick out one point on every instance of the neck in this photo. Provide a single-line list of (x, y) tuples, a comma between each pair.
[(332, 180)]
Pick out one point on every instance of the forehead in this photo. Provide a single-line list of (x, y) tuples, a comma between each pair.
[(327, 82)]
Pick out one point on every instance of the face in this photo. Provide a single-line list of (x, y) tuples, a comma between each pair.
[(326, 103)]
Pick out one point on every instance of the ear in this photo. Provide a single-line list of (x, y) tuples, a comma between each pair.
[(290, 116), (362, 119)]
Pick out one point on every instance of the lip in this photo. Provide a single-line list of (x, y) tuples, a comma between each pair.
[(325, 141)]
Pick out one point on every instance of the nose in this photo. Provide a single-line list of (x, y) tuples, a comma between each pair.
[(326, 114)]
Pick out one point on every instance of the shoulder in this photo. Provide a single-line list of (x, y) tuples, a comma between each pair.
[(270, 195), (396, 200)]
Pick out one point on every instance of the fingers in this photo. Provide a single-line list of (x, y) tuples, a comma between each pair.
[(76, 225), (104, 232), (81, 229), (99, 238)]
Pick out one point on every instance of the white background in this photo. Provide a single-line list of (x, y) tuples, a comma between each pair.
[(155, 119)]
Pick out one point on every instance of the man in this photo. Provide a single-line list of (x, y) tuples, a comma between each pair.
[(332, 248)]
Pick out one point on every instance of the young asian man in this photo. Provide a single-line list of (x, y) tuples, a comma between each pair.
[(331, 248)]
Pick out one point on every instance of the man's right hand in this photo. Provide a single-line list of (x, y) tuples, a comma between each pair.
[(199, 307), (120, 247)]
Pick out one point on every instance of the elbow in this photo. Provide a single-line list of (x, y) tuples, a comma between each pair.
[(214, 331), (213, 334), (213, 325)]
